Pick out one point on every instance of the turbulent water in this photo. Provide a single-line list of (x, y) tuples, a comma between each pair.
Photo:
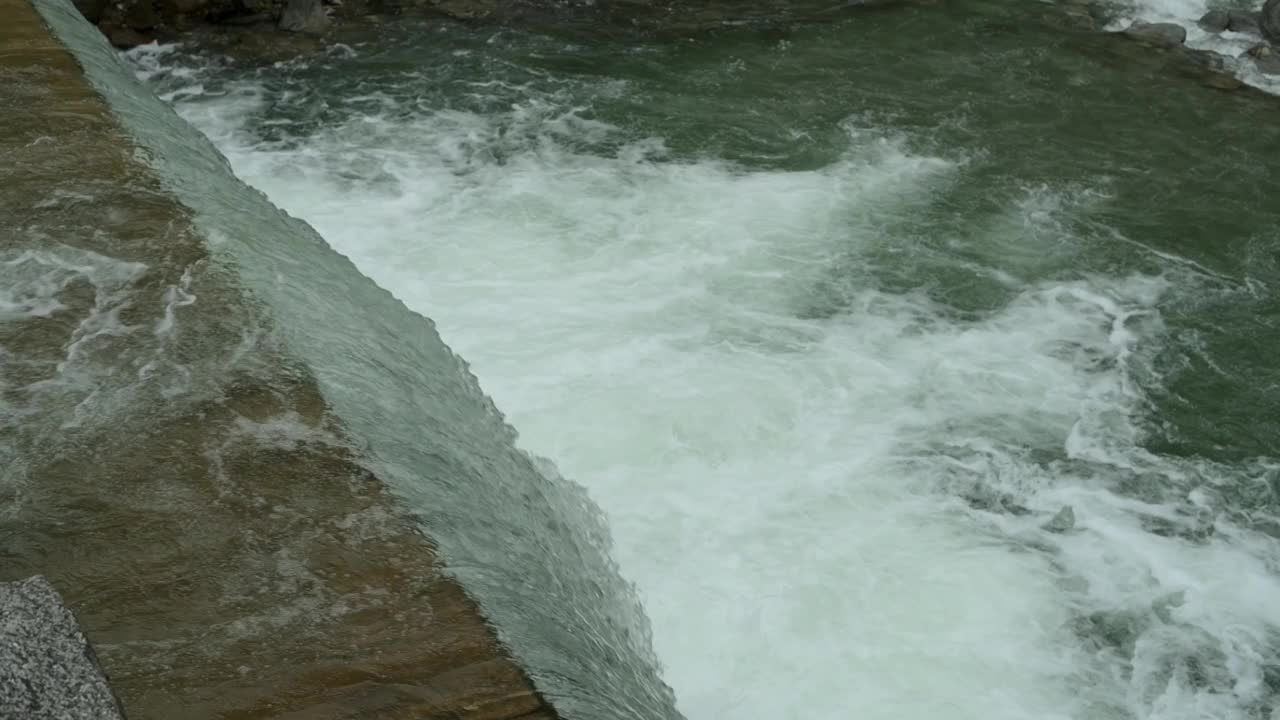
[(922, 361), (1232, 45)]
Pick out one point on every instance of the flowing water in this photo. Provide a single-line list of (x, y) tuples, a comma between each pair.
[(833, 320), (1230, 44)]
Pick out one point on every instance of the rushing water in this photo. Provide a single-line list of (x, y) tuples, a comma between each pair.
[(1232, 45), (833, 320)]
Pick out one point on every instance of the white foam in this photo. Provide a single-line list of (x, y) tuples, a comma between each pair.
[(1187, 13), (784, 481)]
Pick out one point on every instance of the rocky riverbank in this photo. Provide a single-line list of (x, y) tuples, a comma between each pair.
[(1263, 26), (128, 23), (273, 30)]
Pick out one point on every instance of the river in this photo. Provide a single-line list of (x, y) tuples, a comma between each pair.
[(922, 360)]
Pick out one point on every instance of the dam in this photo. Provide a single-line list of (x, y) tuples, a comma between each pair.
[(266, 488), (869, 361)]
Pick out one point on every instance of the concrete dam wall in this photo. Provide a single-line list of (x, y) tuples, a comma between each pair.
[(266, 488)]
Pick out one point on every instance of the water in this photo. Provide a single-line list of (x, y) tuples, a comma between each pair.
[(1232, 45), (832, 320)]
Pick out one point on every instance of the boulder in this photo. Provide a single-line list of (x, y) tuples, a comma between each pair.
[(1215, 21), (304, 16), (1269, 21), (91, 9), (1166, 34), (1242, 21), (48, 671)]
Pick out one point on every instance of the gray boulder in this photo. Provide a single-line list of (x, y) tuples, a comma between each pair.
[(1269, 21), (48, 671), (1215, 21), (1167, 34), (1241, 21), (304, 16)]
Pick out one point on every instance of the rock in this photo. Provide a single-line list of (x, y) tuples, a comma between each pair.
[(1208, 67), (1259, 50), (1265, 58), (136, 14), (91, 9), (1215, 21), (467, 9), (1074, 16), (1269, 21), (1242, 21), (246, 20), (48, 670), (124, 37), (1063, 521), (304, 16), (1167, 34), (1268, 64), (184, 7)]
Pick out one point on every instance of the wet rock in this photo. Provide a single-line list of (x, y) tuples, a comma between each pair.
[(139, 15), (1241, 21), (1209, 67), (1265, 59), (304, 16), (1166, 34), (1063, 521), (467, 9), (183, 7), (1215, 21), (1269, 21), (246, 20), (48, 670), (1268, 65), (92, 10), (124, 37)]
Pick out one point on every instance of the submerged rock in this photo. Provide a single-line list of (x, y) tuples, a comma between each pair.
[(1269, 21), (1168, 34), (651, 15), (1063, 521), (91, 9), (48, 670), (304, 16)]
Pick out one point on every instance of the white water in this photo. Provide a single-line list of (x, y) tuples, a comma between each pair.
[(1187, 13), (782, 489)]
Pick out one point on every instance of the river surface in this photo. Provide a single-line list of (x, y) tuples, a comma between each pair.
[(922, 360)]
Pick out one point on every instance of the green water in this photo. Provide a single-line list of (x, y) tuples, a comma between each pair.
[(1169, 165)]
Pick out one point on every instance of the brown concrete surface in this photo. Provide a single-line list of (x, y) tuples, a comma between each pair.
[(224, 549)]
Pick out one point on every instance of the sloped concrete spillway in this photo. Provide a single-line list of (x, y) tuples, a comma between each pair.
[(260, 480)]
